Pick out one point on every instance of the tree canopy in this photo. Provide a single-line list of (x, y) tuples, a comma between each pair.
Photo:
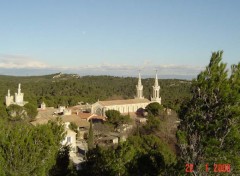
[(116, 118), (28, 150), (16, 112), (154, 108), (145, 155), (31, 111)]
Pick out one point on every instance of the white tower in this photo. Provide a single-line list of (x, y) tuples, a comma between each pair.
[(156, 91), (139, 88), (19, 96), (8, 99), (43, 106)]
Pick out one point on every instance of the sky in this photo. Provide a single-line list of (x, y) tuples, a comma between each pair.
[(117, 37)]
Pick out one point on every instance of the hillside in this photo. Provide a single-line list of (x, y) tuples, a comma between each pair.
[(69, 89)]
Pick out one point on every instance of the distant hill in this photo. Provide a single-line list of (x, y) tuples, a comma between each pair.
[(38, 78), (96, 72)]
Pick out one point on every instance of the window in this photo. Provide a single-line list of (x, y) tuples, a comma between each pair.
[(68, 139)]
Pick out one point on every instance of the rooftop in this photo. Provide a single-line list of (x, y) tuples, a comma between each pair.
[(75, 119), (45, 115), (123, 102), (84, 115)]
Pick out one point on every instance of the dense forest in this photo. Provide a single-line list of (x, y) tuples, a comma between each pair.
[(66, 89)]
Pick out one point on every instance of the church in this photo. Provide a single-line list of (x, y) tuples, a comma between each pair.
[(18, 99), (128, 105)]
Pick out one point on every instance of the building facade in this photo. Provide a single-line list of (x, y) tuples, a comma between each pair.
[(123, 106)]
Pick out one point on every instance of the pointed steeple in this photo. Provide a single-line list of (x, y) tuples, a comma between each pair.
[(156, 91), (19, 96), (8, 98), (156, 80), (19, 88), (139, 88), (139, 79)]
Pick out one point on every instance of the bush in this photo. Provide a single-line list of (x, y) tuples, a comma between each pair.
[(154, 108)]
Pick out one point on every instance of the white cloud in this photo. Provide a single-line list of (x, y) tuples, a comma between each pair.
[(18, 62), (23, 62), (147, 69), (179, 69)]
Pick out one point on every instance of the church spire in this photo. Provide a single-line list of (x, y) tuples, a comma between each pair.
[(156, 80), (19, 88), (139, 79), (156, 91), (139, 88), (8, 98)]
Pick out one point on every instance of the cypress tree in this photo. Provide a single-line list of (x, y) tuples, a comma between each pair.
[(90, 137)]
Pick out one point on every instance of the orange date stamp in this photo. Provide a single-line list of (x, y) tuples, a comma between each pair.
[(220, 168)]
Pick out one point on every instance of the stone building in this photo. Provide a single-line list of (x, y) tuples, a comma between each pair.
[(128, 105), (18, 99)]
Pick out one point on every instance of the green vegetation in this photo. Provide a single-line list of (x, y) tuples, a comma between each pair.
[(63, 166), (116, 119), (73, 126), (28, 150), (145, 155), (144, 152), (31, 111), (16, 113), (69, 90), (90, 137), (153, 124), (3, 111), (209, 131), (154, 109)]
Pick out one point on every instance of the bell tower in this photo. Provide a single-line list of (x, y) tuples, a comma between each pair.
[(19, 95), (156, 91), (8, 99), (139, 88)]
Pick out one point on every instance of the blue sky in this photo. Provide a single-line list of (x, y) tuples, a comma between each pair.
[(117, 36)]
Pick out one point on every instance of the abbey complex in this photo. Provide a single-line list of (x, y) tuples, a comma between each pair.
[(129, 105)]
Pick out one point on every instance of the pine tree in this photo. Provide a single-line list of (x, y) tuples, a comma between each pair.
[(209, 131), (154, 108)]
